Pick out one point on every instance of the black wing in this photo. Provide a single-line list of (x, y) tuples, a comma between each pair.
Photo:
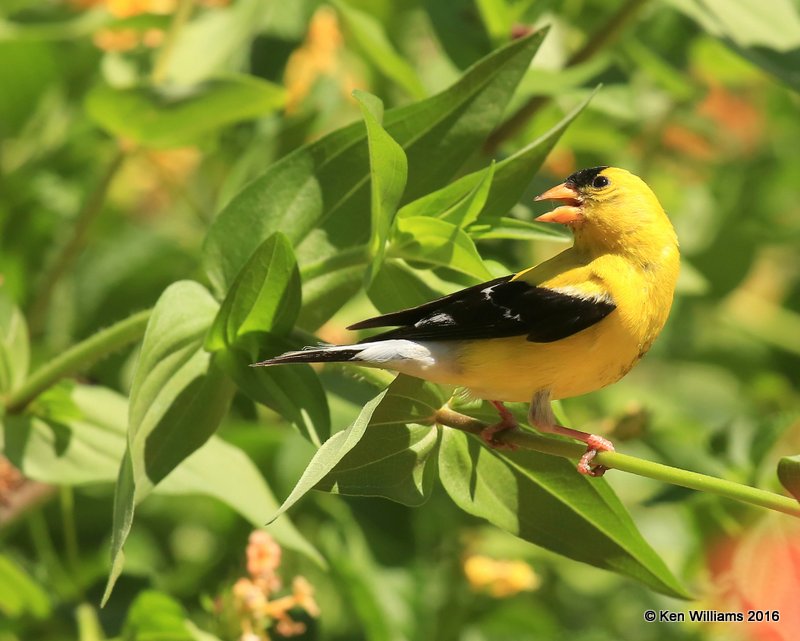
[(495, 309)]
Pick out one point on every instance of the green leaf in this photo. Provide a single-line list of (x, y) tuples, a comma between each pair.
[(331, 452), (542, 499), (14, 350), (505, 227), (323, 186), (467, 210), (77, 434), (216, 469), (153, 118), (71, 435), (511, 176), (293, 391), (397, 286), (388, 173), (178, 396), (436, 243), (265, 297), (789, 474), (396, 457), (20, 595), (371, 38)]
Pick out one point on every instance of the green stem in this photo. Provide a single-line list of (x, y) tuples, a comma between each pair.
[(70, 530), (630, 464), (77, 358), (73, 247), (601, 38), (179, 20)]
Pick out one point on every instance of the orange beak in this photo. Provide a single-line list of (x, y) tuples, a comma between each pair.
[(567, 214)]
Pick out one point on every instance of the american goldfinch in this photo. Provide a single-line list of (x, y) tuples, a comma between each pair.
[(571, 325)]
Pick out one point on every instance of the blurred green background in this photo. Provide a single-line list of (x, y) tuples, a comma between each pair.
[(106, 196)]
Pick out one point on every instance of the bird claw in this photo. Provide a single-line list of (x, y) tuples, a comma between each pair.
[(594, 444)]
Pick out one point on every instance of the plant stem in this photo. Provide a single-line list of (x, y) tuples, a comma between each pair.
[(179, 20), (70, 532), (72, 249), (631, 464), (601, 38), (78, 358)]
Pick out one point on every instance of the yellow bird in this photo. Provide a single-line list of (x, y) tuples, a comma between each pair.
[(571, 325)]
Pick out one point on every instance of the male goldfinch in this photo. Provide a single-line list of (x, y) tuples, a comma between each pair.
[(568, 326)]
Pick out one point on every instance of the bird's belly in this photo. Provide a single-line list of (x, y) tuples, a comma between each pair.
[(512, 369)]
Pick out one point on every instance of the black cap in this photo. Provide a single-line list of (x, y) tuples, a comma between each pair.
[(584, 177)]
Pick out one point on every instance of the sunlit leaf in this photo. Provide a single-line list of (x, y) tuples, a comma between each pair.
[(542, 499), (511, 176), (324, 186), (396, 457), (293, 391), (388, 174), (265, 297), (434, 242)]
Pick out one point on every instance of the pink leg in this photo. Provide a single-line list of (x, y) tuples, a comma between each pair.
[(507, 422), (541, 415)]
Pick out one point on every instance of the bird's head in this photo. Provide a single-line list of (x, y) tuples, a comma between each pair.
[(609, 208)]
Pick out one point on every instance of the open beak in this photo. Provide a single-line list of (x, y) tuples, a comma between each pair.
[(570, 212)]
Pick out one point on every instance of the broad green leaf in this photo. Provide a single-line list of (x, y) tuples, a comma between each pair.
[(542, 499), (436, 243), (71, 435), (331, 452), (396, 457), (178, 396), (294, 391), (388, 169), (165, 120), (20, 595), (371, 38), (265, 297), (325, 293), (14, 350), (324, 186), (397, 286), (76, 434), (511, 176), (505, 227), (467, 210), (789, 474)]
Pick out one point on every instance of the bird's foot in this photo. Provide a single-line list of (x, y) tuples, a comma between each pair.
[(594, 444), (507, 422)]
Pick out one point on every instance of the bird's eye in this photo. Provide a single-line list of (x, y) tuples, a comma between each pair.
[(600, 181)]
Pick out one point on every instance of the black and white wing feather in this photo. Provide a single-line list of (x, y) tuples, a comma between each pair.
[(496, 309)]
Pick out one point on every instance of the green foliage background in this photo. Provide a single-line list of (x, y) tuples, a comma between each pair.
[(187, 188)]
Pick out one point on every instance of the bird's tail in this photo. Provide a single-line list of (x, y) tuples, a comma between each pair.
[(326, 354)]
